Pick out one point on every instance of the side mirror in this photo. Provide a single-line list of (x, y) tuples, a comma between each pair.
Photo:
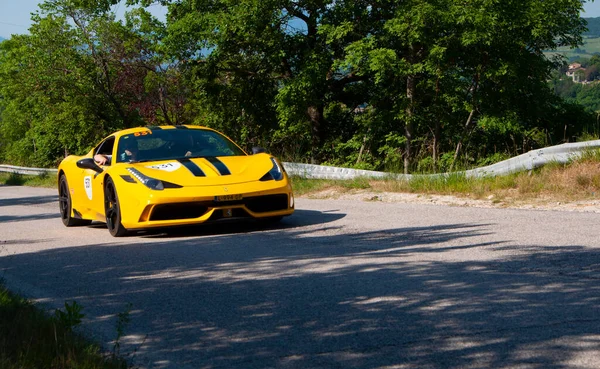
[(258, 150), (89, 163)]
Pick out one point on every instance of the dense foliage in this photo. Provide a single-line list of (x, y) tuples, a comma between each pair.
[(412, 85)]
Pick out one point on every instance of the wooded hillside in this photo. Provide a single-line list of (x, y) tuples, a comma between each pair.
[(593, 27)]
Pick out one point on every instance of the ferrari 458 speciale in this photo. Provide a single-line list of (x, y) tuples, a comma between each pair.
[(150, 177)]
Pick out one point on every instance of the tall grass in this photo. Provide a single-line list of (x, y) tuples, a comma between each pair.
[(32, 339), (15, 179)]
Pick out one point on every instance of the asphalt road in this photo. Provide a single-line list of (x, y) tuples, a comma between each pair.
[(340, 284)]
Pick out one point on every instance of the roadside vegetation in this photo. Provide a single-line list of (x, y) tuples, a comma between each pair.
[(573, 181), (33, 339), (15, 179)]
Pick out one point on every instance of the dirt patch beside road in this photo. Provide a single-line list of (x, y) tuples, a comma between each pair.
[(540, 203)]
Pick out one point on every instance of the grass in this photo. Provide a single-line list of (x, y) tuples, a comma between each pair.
[(15, 179), (33, 339), (590, 46)]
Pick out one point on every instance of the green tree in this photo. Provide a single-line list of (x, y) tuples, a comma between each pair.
[(79, 75), (46, 95), (463, 61), (290, 50)]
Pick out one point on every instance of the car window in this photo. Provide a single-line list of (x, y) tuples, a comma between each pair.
[(209, 143), (127, 149), (106, 148), (170, 144)]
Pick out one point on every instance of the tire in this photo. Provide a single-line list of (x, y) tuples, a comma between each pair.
[(112, 210), (65, 205)]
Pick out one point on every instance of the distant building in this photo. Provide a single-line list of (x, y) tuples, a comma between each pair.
[(576, 72)]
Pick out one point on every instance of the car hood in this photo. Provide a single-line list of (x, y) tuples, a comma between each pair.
[(207, 171)]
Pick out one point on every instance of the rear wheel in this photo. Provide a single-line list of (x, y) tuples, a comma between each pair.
[(65, 205), (112, 210)]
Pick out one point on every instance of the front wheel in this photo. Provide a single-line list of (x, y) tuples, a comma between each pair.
[(65, 205), (112, 210)]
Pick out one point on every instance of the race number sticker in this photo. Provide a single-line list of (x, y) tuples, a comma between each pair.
[(87, 184), (167, 167)]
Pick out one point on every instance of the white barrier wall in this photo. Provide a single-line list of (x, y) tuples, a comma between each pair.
[(25, 170), (530, 160)]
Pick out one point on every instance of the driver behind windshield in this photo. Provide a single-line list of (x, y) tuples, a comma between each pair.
[(128, 149)]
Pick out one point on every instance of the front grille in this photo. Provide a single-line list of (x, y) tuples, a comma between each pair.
[(263, 204), (235, 213), (178, 211), (191, 210)]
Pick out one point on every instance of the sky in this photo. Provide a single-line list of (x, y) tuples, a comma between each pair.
[(15, 14)]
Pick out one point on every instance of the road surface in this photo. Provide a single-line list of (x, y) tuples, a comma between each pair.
[(340, 284)]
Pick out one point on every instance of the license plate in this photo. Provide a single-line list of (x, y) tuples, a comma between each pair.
[(223, 198)]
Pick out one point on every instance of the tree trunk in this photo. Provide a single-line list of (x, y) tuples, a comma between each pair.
[(460, 142), (436, 144), (362, 149), (163, 105), (473, 89), (315, 114), (408, 127)]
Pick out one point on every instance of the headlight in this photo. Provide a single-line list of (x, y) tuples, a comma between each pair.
[(275, 173), (150, 182)]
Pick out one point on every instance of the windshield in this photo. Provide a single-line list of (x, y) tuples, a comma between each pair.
[(168, 144)]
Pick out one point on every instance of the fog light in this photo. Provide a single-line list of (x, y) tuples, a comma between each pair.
[(291, 200)]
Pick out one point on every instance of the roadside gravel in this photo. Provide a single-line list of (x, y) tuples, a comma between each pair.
[(541, 203)]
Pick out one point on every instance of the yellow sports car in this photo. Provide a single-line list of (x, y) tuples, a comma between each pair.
[(151, 177)]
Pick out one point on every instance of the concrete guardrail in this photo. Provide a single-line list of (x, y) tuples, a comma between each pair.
[(530, 160), (25, 170)]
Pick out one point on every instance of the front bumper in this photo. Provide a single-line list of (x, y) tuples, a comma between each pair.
[(145, 208)]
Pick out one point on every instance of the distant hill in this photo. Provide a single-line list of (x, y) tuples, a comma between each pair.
[(593, 27), (590, 47)]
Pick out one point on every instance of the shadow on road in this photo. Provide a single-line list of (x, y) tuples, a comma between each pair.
[(304, 298), (300, 218), (33, 200), (22, 218)]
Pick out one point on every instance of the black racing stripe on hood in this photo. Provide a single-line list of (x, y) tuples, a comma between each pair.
[(181, 127), (192, 167), (222, 168)]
